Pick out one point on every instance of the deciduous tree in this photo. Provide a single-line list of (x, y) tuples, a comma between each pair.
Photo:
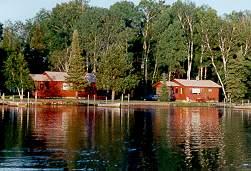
[(16, 73)]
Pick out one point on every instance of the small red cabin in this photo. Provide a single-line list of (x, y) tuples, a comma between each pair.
[(192, 90), (53, 84)]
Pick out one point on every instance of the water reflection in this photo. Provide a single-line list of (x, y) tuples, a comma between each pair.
[(180, 138), (197, 132)]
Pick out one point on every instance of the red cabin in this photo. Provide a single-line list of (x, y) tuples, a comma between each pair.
[(53, 84), (192, 90)]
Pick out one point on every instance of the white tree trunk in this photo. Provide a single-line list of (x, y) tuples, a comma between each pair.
[(169, 75), (188, 62), (155, 69), (94, 57), (113, 95), (201, 61), (205, 74), (219, 77), (20, 93), (216, 70)]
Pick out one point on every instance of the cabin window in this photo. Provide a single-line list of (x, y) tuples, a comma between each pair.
[(66, 86), (181, 90), (210, 90), (195, 90), (176, 90)]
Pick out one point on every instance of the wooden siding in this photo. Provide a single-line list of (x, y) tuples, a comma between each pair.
[(53, 84), (55, 89), (184, 93)]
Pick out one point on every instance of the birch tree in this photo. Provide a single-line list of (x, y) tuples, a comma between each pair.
[(16, 73), (209, 25), (186, 14), (150, 10)]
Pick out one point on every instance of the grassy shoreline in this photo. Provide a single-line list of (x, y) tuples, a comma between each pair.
[(85, 102)]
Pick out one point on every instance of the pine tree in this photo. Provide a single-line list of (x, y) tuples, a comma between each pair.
[(236, 87), (164, 90), (115, 71), (76, 69)]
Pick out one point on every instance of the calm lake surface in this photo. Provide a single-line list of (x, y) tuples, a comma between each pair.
[(138, 138)]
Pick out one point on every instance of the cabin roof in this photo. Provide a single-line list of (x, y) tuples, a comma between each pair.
[(168, 84), (56, 76), (39, 77), (197, 83), (59, 76)]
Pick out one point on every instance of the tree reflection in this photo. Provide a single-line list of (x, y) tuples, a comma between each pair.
[(78, 137), (141, 147)]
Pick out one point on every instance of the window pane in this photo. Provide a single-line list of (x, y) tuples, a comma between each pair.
[(195, 90)]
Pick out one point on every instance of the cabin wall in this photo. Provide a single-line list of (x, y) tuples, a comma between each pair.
[(51, 89), (204, 94), (182, 93)]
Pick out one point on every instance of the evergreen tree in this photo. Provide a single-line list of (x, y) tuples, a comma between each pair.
[(164, 90), (16, 74), (115, 71), (156, 37), (236, 87), (76, 69)]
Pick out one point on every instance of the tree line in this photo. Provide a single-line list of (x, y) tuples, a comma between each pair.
[(129, 46)]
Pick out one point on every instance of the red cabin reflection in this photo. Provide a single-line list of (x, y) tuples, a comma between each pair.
[(199, 127)]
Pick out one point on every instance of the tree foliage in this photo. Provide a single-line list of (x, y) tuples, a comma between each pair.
[(16, 73), (76, 71), (115, 71), (236, 81), (164, 90), (136, 44)]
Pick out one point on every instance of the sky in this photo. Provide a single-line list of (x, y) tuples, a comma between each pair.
[(15, 10)]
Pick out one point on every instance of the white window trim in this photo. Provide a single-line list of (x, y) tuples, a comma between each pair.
[(196, 90)]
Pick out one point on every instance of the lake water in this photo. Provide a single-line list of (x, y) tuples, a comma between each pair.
[(138, 138)]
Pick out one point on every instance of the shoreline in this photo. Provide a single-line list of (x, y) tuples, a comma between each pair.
[(81, 102), (117, 103)]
